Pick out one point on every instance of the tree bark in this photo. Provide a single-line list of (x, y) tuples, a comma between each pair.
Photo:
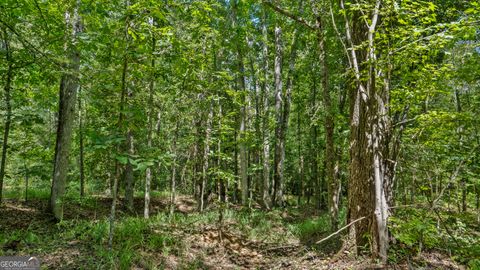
[(266, 118), (206, 151), (329, 124), (129, 177), (120, 124), (277, 196), (151, 88), (8, 118), (80, 134), (314, 186), (368, 118), (174, 170), (67, 97), (243, 162)]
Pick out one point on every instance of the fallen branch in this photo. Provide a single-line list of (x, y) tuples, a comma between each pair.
[(341, 229)]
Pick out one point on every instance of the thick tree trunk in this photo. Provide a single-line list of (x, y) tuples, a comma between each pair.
[(368, 122), (67, 97), (8, 118)]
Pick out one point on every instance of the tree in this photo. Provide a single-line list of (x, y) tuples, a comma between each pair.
[(8, 120), (69, 86)]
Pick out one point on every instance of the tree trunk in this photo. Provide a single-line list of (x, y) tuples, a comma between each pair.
[(256, 187), (151, 87), (266, 118), (464, 194), (8, 118), (206, 151), (120, 124), (368, 116), (243, 163), (26, 179), (221, 179), (277, 198), (174, 170), (67, 97), (329, 125), (80, 134), (129, 175), (314, 186), (300, 160)]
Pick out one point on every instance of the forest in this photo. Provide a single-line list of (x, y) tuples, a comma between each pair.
[(240, 134)]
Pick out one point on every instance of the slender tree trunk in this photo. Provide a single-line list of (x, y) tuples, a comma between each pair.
[(300, 160), (118, 169), (151, 88), (206, 150), (277, 198), (26, 179), (129, 175), (329, 125), (174, 170), (8, 118), (196, 160), (464, 194), (477, 203), (221, 180), (266, 117), (68, 91), (243, 113), (80, 133), (256, 187), (314, 185)]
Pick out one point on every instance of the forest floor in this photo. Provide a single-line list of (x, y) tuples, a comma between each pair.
[(240, 239)]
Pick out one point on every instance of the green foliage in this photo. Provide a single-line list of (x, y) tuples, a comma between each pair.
[(416, 232)]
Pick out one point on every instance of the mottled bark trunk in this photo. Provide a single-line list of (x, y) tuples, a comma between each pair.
[(67, 97), (368, 118)]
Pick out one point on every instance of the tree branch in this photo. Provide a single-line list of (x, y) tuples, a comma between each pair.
[(289, 15), (339, 230)]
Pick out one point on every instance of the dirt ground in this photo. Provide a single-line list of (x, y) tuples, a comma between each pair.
[(220, 247)]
